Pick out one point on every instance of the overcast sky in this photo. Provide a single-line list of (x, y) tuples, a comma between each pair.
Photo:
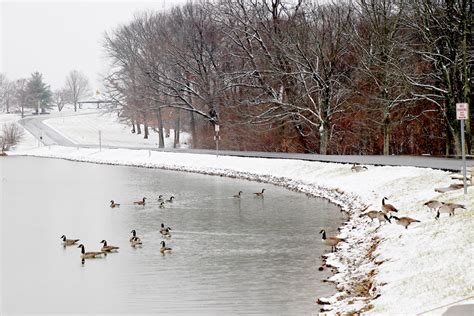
[(54, 37)]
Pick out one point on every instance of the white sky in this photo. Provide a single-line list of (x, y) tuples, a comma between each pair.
[(54, 37)]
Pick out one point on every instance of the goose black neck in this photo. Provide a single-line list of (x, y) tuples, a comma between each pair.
[(324, 235)]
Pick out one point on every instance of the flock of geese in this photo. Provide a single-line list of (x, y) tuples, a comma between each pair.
[(385, 215), (134, 240)]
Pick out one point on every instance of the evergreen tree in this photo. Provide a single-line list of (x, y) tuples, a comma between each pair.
[(39, 94)]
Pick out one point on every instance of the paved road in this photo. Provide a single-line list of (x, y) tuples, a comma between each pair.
[(36, 127)]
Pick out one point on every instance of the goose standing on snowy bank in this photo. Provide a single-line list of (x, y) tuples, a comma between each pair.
[(68, 242), (371, 214), (387, 208), (433, 204), (358, 168), (382, 217), (330, 241), (113, 204), (448, 208), (405, 221)]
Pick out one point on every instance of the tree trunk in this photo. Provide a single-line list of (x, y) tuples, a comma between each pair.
[(145, 129), (75, 106), (193, 130), (133, 127), (161, 137), (139, 129), (323, 139), (177, 123)]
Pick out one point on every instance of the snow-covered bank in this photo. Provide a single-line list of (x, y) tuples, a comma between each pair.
[(386, 270), (84, 129)]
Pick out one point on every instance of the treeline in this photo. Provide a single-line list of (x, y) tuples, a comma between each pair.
[(35, 94), (345, 77)]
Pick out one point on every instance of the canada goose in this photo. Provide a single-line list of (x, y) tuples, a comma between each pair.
[(405, 221), (382, 217), (454, 206), (134, 236), (448, 208), (371, 214), (106, 248), (358, 168), (330, 241), (135, 242), (160, 198), (164, 249), (433, 204), (162, 204), (165, 231), (142, 202), (170, 200), (237, 196), (89, 255), (68, 242), (113, 204), (387, 208), (259, 193)]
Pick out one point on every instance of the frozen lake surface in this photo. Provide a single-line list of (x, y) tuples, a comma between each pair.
[(230, 256)]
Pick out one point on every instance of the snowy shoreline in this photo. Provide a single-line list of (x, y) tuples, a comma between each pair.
[(363, 266)]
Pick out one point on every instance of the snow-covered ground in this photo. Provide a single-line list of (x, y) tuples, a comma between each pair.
[(380, 270), (28, 141), (84, 129)]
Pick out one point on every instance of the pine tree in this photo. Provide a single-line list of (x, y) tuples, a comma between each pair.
[(38, 93)]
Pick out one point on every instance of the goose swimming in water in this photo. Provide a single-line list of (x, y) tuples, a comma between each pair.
[(142, 202), (68, 242), (113, 204)]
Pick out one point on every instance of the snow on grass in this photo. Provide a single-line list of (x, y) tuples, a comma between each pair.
[(84, 129), (380, 270), (27, 141)]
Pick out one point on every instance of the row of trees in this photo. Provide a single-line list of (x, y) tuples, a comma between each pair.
[(348, 77), (34, 93)]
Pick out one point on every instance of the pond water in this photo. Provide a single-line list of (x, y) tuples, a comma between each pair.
[(230, 256)]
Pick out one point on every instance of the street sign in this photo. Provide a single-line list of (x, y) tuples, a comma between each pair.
[(216, 128), (462, 111)]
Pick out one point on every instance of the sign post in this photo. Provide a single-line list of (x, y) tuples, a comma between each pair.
[(100, 140), (462, 113), (216, 138)]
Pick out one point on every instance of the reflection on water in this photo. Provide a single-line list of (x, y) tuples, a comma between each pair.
[(248, 255)]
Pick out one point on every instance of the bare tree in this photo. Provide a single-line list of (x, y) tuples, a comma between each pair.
[(6, 93), (11, 135), (60, 98), (78, 87), (444, 40)]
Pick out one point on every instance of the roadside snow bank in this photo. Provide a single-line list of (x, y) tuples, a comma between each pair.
[(380, 270)]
